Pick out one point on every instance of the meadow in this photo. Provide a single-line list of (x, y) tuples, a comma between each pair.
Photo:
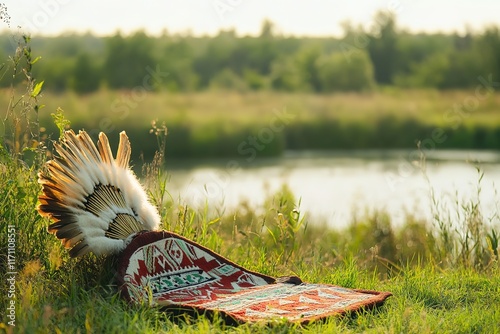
[(444, 277), (222, 123)]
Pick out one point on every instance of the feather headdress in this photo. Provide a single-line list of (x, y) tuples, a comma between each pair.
[(95, 201)]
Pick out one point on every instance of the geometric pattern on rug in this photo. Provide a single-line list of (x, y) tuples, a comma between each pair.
[(168, 270)]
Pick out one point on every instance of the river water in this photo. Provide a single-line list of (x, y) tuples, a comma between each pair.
[(334, 187)]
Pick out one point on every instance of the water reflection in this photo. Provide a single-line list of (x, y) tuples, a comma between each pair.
[(334, 186)]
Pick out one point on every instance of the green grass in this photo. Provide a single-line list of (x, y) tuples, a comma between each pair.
[(443, 279), (216, 123), (436, 289)]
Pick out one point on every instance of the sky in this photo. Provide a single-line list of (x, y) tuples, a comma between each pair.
[(202, 17)]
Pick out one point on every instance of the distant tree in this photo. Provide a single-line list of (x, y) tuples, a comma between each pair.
[(254, 80), (338, 74), (176, 58), (463, 70), (238, 54), (267, 30), (127, 60), (86, 75), (306, 62), (489, 45), (464, 42), (267, 61), (382, 48), (56, 72), (253, 53), (286, 76), (430, 72), (67, 45), (414, 49), (228, 80), (215, 57), (445, 61)]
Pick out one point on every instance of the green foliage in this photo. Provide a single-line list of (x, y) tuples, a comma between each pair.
[(254, 80), (56, 73), (228, 80), (176, 58), (83, 63), (415, 49), (22, 135), (383, 47), (306, 61), (86, 76), (489, 45), (127, 60), (219, 122), (444, 278), (37, 89), (286, 76), (68, 295), (471, 243), (60, 121), (430, 72), (337, 73)]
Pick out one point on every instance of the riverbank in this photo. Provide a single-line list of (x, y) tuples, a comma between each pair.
[(257, 124), (448, 277)]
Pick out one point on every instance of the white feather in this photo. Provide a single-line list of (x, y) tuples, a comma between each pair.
[(86, 189)]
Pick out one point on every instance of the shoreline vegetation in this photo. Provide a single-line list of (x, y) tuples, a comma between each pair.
[(446, 274), (445, 278), (205, 125)]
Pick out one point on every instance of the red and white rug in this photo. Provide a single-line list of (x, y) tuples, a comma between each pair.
[(167, 270)]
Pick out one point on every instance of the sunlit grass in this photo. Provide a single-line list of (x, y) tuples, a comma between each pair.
[(59, 294), (442, 279), (437, 286), (427, 106), (216, 123)]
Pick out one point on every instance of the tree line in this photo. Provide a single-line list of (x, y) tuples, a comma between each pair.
[(358, 61)]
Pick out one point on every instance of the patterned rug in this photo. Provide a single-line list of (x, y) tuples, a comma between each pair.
[(167, 270)]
